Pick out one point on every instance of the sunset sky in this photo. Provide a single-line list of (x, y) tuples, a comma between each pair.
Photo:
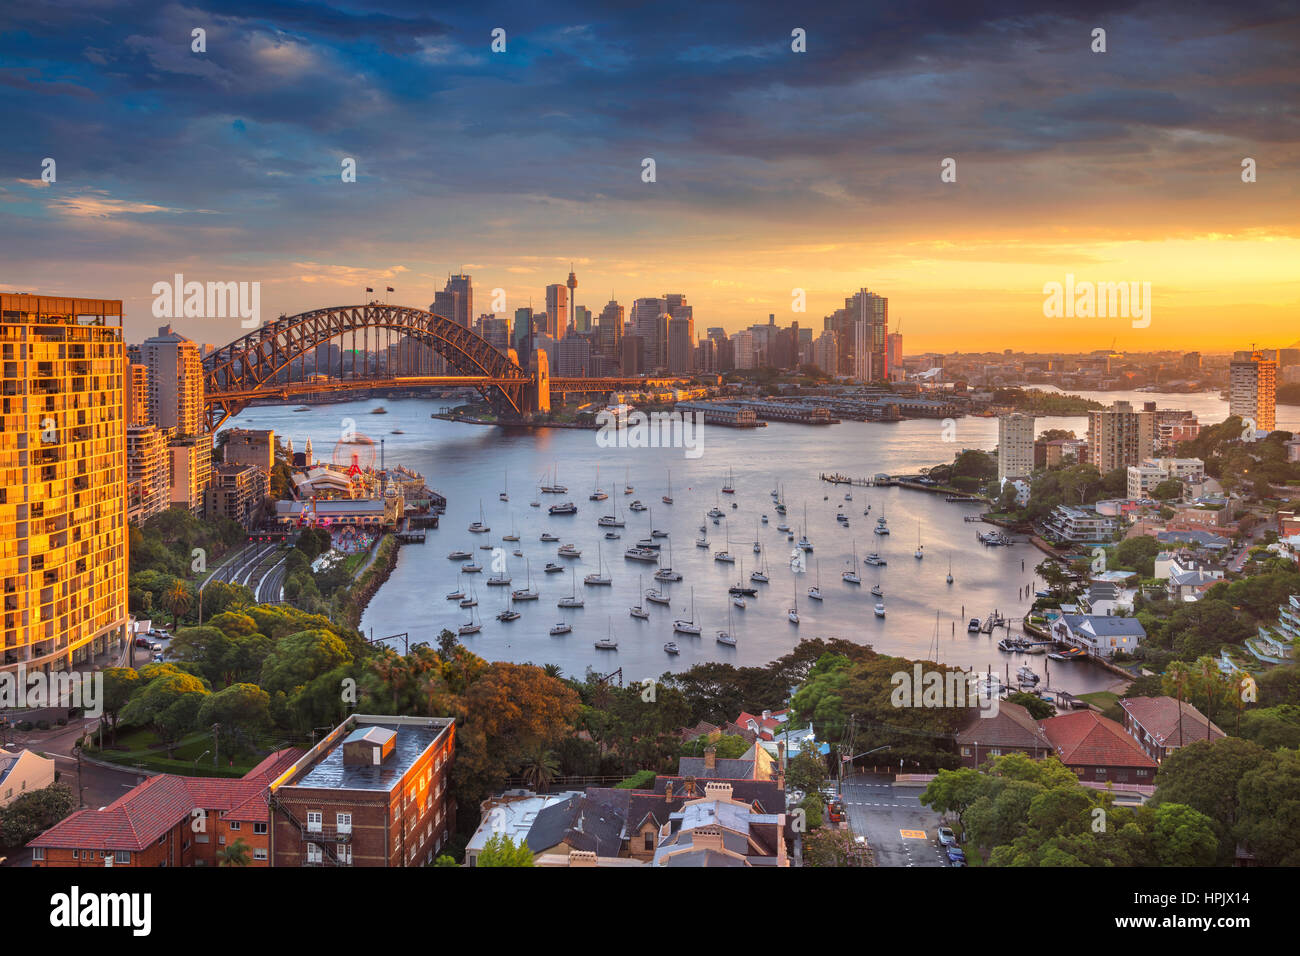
[(775, 169)]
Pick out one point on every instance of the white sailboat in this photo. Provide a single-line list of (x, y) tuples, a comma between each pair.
[(726, 637), (688, 627), (793, 613), (666, 572), (852, 577), (472, 626), (600, 577), (608, 643), (627, 481), (505, 487), (479, 526), (638, 610), (572, 600), (597, 494), (528, 593), (815, 592), (950, 569), (919, 553), (760, 576), (668, 498)]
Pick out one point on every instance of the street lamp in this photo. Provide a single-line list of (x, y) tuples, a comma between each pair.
[(198, 758)]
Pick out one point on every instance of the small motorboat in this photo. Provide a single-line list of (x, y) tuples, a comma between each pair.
[(471, 568), (880, 610), (815, 593), (671, 648), (552, 567), (460, 556), (973, 625), (612, 536), (561, 629), (547, 536), (569, 551), (739, 601), (877, 590)]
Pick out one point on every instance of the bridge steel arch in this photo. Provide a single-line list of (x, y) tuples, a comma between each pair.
[(253, 363)]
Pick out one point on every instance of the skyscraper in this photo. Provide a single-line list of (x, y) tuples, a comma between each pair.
[(1015, 446), (1120, 436), (557, 310), (681, 345), (176, 405), (572, 284), (463, 286), (611, 331), (63, 563), (870, 317), (645, 318), (1252, 391)]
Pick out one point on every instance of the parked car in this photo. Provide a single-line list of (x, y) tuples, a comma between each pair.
[(142, 642), (956, 856), (157, 658), (947, 837)]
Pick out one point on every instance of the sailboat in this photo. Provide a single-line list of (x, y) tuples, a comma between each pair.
[(852, 577), (815, 592), (882, 526), (479, 527), (668, 498), (555, 488), (514, 534), (599, 577), (804, 543), (919, 553), (459, 593), (793, 613), (638, 610), (562, 628), (525, 594), (950, 569), (508, 614), (726, 637), (608, 643), (471, 601), (760, 576), (596, 493), (572, 600), (627, 481), (505, 487), (739, 589), (688, 627), (472, 626), (728, 488), (758, 548), (702, 541), (724, 556), (666, 572)]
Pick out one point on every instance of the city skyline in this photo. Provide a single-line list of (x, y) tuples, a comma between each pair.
[(1123, 166)]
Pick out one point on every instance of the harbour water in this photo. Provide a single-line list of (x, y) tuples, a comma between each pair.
[(471, 465)]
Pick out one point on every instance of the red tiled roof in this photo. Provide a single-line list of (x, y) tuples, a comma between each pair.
[(141, 816), (1158, 716), (1085, 738)]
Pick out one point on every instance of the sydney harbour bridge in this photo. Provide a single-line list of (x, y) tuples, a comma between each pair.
[(279, 360)]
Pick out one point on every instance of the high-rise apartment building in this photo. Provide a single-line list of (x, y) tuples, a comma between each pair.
[(137, 400), (148, 470), (826, 352), (870, 317), (1015, 446), (175, 382), (646, 319), (1252, 391), (63, 532), (1120, 436)]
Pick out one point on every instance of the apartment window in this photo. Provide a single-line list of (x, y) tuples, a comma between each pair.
[(122, 856), (314, 818), (344, 822), (259, 829), (259, 854), (38, 853), (234, 825)]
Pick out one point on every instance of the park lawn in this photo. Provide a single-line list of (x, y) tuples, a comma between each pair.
[(1106, 702), (143, 748)]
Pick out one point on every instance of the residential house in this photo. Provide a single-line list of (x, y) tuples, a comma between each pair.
[(1097, 749), (717, 829), (21, 772), (1009, 729), (1160, 725), (1098, 634)]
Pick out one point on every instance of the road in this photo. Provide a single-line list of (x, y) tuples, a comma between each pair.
[(882, 812)]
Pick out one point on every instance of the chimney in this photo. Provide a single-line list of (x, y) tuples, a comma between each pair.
[(717, 790), (780, 753), (710, 758), (582, 858), (668, 792)]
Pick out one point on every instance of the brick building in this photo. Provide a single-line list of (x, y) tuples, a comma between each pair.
[(374, 792)]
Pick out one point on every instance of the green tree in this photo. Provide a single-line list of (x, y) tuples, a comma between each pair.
[(539, 768), (1184, 837), (235, 854), (33, 813), (500, 850)]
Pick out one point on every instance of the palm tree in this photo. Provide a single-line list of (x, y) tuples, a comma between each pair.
[(552, 670), (236, 854), (540, 768), (177, 600)]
